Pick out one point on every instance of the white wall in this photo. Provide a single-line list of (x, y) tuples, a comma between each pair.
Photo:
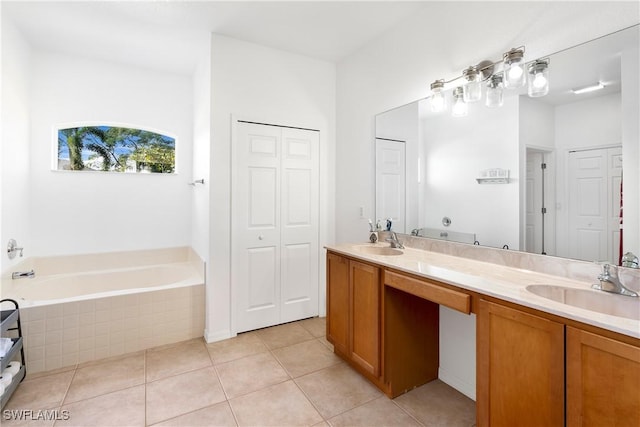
[(439, 42), (258, 83), (87, 212), (200, 227), (14, 147)]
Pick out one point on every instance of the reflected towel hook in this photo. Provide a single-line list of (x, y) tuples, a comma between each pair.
[(197, 181)]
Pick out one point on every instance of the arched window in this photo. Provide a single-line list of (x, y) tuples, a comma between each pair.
[(115, 149)]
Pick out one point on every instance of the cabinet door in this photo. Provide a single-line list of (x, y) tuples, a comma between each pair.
[(365, 318), (603, 381), (338, 303), (520, 368)]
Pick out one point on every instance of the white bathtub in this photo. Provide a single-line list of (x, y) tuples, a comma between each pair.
[(88, 307)]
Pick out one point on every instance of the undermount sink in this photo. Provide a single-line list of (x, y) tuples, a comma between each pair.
[(380, 250), (602, 302)]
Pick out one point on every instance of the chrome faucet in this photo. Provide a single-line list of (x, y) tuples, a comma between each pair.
[(609, 282), (23, 274), (395, 243)]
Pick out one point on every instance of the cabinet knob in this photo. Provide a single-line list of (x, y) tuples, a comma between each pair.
[(261, 237)]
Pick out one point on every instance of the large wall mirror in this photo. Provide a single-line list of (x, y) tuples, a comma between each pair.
[(544, 175)]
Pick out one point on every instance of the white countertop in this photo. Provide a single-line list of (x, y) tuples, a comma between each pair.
[(506, 283)]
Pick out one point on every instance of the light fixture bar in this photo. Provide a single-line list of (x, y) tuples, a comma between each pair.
[(589, 88)]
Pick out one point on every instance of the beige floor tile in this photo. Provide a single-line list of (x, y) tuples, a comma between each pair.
[(337, 389), (306, 357), (243, 345), (106, 360), (185, 357), (213, 416), (326, 343), (279, 405), (250, 374), (41, 393), (437, 404), (120, 408), (180, 394), (284, 335), (379, 412), (117, 374), (316, 326)]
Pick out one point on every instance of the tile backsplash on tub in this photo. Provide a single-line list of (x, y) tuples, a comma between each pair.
[(67, 334)]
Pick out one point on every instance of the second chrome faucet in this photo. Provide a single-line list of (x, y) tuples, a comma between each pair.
[(609, 282)]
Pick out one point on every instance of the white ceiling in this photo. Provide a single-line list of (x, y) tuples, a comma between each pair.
[(172, 34)]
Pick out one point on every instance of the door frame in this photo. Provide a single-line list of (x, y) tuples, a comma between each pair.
[(235, 119)]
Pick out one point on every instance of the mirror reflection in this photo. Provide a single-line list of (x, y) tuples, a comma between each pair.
[(543, 175)]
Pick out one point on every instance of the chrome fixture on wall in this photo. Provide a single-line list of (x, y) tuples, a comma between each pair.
[(514, 73), (12, 248)]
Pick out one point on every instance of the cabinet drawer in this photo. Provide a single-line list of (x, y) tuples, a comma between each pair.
[(421, 288)]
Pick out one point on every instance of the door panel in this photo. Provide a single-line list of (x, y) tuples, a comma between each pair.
[(300, 216), (391, 182), (594, 204), (275, 191), (255, 227)]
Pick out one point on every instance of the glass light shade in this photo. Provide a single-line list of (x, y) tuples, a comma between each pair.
[(514, 69), (459, 108), (437, 100), (472, 90), (538, 79), (495, 97)]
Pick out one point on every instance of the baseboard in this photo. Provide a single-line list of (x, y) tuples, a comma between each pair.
[(210, 337), (458, 383)]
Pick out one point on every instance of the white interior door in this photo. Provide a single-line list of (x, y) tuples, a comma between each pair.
[(300, 210), (275, 193), (256, 226), (593, 226), (391, 182), (533, 234)]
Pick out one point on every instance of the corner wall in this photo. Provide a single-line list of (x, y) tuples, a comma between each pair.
[(14, 149), (258, 83)]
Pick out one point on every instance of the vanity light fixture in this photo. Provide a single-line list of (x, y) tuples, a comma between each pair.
[(437, 96), (494, 92), (538, 78), (589, 88), (472, 90), (512, 74), (459, 108)]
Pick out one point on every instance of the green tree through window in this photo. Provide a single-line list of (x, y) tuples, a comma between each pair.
[(116, 149)]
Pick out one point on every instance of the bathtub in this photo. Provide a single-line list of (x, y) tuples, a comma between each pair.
[(88, 307)]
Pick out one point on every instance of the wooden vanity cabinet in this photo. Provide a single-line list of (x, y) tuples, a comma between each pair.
[(338, 303), (520, 368), (353, 313), (603, 381)]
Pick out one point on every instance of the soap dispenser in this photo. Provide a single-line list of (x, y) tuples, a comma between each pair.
[(373, 231)]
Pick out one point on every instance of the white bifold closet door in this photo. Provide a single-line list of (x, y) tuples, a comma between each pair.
[(275, 205)]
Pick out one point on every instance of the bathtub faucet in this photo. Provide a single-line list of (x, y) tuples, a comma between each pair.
[(23, 274)]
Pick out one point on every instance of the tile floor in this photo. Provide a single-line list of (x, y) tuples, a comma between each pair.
[(283, 375)]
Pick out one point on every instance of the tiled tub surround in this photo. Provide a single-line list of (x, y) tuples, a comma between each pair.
[(502, 274), (112, 304)]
